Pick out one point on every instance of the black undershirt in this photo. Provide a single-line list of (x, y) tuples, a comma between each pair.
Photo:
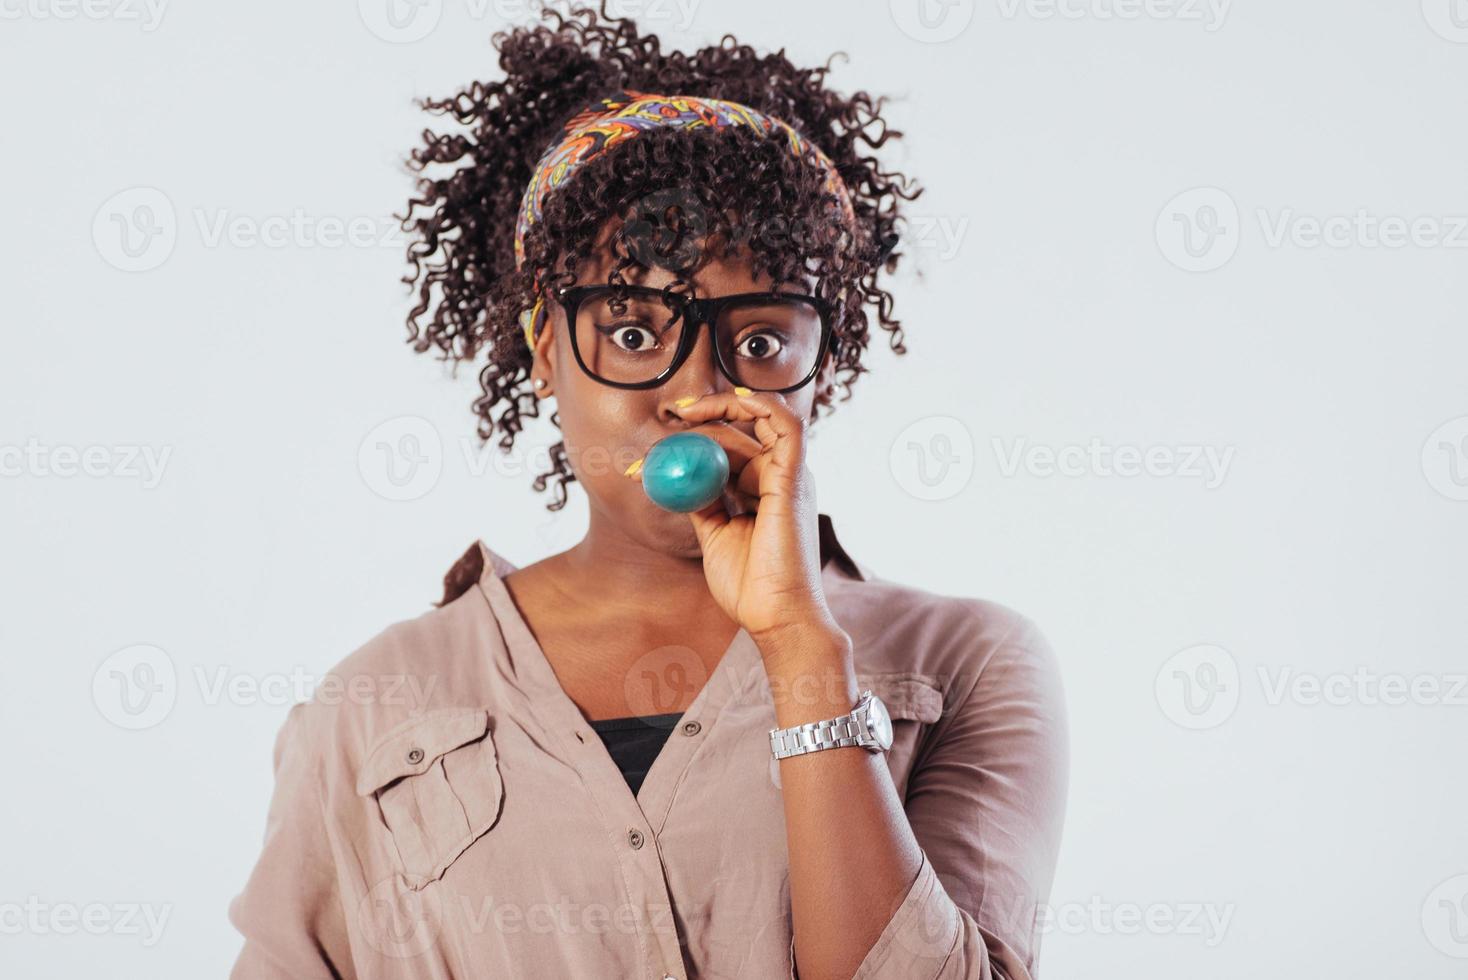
[(635, 742)]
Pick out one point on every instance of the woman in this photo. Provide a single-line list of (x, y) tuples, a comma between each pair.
[(606, 775)]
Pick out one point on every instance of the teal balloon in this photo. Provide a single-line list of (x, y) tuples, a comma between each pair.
[(685, 471)]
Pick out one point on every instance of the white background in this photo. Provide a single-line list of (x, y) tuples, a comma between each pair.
[(1060, 292)]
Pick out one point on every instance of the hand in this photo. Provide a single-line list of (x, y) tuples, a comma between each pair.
[(764, 568)]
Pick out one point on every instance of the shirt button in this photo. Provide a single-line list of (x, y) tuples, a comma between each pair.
[(415, 756), (691, 728), (634, 837)]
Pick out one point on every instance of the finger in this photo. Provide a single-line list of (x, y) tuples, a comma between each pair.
[(779, 430), (712, 521), (738, 445), (708, 520), (747, 458)]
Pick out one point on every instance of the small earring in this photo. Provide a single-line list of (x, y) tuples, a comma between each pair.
[(539, 383)]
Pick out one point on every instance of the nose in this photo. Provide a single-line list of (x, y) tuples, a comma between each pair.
[(698, 375)]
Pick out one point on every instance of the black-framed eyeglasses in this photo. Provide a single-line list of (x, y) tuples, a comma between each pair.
[(639, 336)]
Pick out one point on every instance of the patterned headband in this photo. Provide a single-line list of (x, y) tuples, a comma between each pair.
[(608, 121)]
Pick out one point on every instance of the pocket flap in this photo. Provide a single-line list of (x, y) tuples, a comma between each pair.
[(906, 695), (411, 747)]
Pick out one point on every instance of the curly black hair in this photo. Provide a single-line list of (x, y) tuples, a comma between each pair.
[(462, 224)]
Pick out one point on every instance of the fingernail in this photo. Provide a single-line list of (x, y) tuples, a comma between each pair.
[(634, 469), (742, 391), (686, 400)]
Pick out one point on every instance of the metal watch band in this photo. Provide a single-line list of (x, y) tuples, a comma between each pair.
[(813, 736)]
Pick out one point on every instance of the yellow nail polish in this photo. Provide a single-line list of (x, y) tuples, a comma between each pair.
[(634, 469), (686, 400), (742, 391)]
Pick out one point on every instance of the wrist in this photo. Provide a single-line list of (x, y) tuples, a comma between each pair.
[(796, 645), (812, 674)]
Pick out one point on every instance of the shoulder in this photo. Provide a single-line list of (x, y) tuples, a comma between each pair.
[(430, 641), (434, 660), (960, 641)]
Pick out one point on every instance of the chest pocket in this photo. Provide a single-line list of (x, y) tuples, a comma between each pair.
[(436, 780), (910, 696), (914, 701)]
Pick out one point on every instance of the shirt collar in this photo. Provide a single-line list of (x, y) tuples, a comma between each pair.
[(831, 551), (480, 560)]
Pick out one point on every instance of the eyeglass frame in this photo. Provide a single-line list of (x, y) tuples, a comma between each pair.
[(700, 312)]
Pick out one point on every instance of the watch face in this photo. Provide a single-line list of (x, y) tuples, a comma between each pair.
[(880, 723)]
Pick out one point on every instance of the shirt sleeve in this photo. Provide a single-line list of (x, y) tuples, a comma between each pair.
[(986, 806), (290, 911)]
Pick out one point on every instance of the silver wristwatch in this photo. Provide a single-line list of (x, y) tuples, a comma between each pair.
[(867, 725)]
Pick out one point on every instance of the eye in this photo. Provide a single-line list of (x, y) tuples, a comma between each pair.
[(760, 346), (632, 337)]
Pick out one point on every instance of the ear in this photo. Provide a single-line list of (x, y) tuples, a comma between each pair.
[(543, 360)]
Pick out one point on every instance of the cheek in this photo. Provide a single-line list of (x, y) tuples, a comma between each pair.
[(602, 431)]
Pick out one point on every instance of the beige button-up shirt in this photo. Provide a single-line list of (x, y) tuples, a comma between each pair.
[(448, 812)]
